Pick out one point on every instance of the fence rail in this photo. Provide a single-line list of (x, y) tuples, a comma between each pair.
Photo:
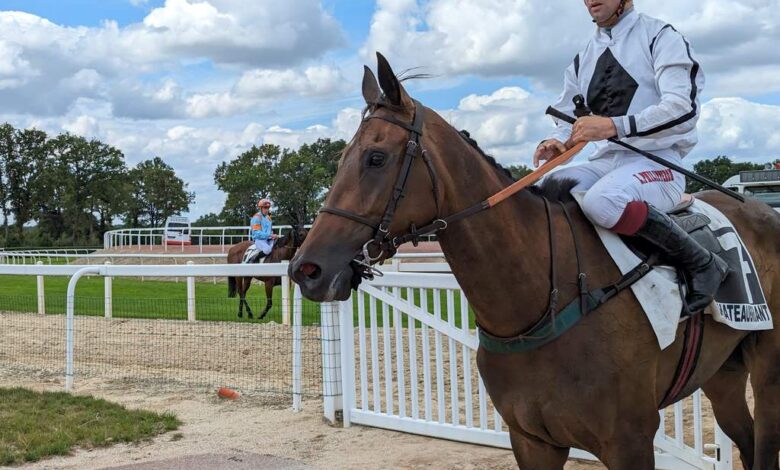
[(147, 238), (168, 349)]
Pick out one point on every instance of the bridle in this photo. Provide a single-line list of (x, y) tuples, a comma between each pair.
[(381, 238)]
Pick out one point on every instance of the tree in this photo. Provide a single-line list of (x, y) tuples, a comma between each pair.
[(156, 193), (7, 132), (299, 181), (718, 170), (518, 171), (244, 180), (295, 180), (88, 182), (208, 220), (24, 155)]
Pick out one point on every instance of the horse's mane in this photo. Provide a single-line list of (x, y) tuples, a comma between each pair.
[(554, 189), (488, 158)]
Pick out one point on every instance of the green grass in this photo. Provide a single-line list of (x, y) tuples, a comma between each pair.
[(36, 425), (133, 298)]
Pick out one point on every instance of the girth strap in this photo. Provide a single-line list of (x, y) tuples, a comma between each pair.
[(554, 326)]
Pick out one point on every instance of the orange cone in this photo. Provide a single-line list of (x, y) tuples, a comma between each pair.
[(228, 393)]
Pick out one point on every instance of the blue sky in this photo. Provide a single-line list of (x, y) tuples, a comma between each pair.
[(197, 82)]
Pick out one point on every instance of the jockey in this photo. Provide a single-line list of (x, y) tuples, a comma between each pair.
[(643, 84), (262, 232)]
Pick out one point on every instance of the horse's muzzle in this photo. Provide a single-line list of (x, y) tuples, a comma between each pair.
[(321, 281)]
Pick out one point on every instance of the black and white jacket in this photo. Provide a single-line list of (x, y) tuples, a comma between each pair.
[(645, 77)]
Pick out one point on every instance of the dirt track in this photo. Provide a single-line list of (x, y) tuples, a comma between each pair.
[(175, 365)]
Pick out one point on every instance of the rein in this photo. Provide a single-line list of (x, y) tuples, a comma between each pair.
[(382, 238)]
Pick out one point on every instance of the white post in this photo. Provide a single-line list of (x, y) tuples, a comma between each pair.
[(296, 359), (107, 280), (41, 295), (331, 362), (347, 326), (725, 452), (190, 296), (286, 298), (69, 312)]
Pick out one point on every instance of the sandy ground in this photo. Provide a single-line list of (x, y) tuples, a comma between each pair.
[(257, 425), (166, 365)]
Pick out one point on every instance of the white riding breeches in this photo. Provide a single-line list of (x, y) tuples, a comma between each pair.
[(612, 182), (265, 246)]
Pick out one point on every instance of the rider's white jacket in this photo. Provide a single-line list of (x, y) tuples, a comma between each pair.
[(643, 75)]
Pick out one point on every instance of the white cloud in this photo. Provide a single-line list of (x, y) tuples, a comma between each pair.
[(45, 67), (84, 126), (262, 87)]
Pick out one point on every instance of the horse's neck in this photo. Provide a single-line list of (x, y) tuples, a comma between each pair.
[(501, 257)]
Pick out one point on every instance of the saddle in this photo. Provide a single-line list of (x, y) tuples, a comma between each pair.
[(254, 256)]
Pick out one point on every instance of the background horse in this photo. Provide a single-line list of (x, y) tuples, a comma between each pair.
[(598, 387), (284, 249)]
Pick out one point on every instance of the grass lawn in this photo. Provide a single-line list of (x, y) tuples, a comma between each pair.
[(133, 298), (36, 425)]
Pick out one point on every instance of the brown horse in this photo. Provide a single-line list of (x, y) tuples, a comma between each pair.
[(284, 249), (598, 387)]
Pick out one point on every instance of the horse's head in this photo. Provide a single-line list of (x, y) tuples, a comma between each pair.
[(383, 187), (298, 235)]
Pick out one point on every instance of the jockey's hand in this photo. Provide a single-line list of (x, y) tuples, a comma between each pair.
[(591, 129), (548, 150)]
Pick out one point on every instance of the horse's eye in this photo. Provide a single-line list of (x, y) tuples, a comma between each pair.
[(376, 159)]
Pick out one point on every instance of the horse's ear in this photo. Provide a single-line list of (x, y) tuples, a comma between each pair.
[(390, 84), (371, 91)]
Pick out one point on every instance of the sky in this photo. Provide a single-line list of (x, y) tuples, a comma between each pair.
[(197, 82)]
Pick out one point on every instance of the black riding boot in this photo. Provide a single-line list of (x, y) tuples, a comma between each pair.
[(705, 269)]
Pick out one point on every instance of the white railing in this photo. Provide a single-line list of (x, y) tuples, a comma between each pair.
[(411, 368), (148, 238), (190, 271)]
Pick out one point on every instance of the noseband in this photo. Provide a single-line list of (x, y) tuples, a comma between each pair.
[(381, 237)]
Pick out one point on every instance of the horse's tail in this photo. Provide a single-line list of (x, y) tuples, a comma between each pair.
[(231, 286)]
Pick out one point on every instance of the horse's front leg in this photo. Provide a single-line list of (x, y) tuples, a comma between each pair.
[(533, 454), (269, 297)]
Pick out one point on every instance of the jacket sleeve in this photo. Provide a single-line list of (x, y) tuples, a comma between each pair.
[(679, 79), (564, 103)]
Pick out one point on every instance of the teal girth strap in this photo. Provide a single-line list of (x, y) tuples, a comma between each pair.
[(544, 333), (557, 324)]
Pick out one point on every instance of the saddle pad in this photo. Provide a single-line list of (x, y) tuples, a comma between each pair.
[(250, 251), (740, 302)]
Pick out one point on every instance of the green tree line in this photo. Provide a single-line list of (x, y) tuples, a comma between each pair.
[(75, 189), (72, 189)]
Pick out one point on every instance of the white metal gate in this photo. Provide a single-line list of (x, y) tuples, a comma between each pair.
[(408, 364)]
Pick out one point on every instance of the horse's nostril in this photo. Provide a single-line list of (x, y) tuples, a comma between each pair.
[(312, 271)]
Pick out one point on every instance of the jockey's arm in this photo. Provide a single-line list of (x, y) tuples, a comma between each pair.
[(679, 80), (257, 229)]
